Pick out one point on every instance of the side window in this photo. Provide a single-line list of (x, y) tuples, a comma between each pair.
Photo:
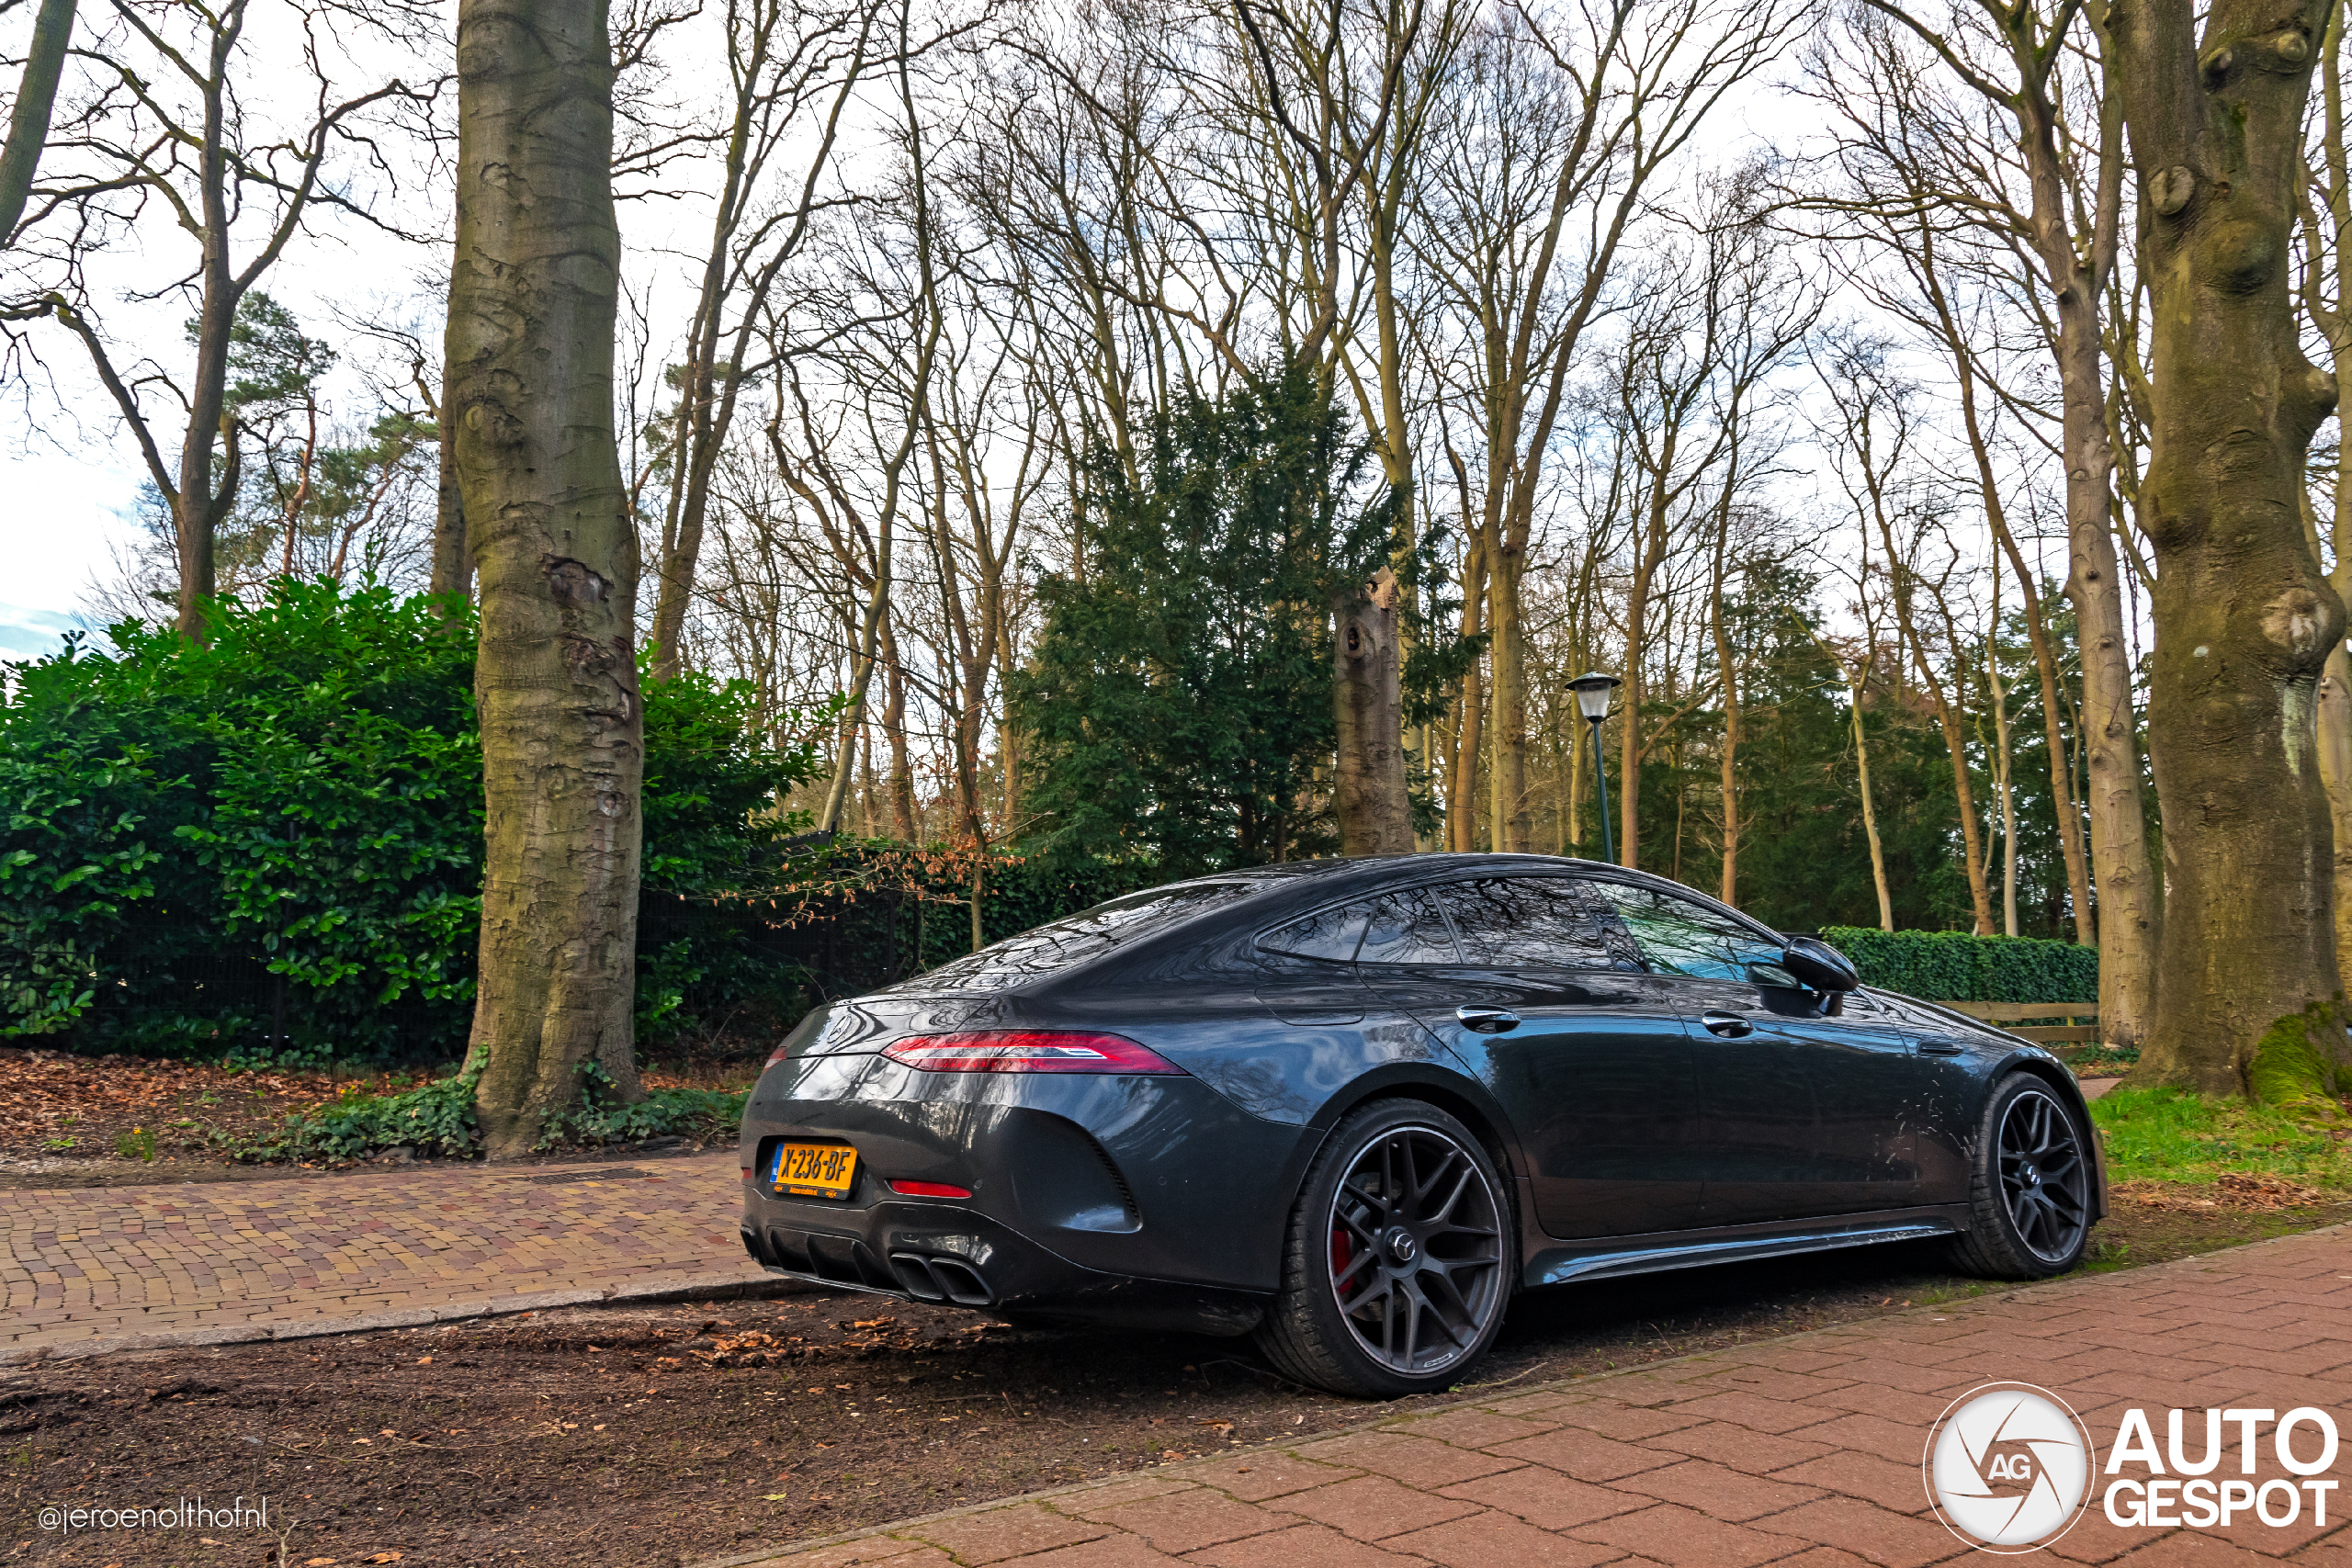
[(1408, 927), (1533, 921), (1328, 933), (1681, 937)]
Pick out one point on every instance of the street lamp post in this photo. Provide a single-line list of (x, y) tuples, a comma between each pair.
[(1592, 700)]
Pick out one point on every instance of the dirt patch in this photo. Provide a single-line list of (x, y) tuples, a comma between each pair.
[(68, 1121), (675, 1435), (2246, 1192)]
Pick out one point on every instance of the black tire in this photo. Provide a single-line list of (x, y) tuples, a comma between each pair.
[(1406, 1208), (2029, 1188)]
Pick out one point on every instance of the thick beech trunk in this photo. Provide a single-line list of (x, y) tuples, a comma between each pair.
[(2245, 620), (530, 368)]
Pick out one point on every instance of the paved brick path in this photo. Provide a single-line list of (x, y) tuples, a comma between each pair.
[(214, 1262), (1803, 1452)]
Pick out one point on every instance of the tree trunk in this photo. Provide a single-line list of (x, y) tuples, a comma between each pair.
[(894, 730), (1375, 817), (1730, 749), (28, 121), (197, 505), (453, 563), (530, 363), (1629, 733), (2129, 915), (2003, 767), (2335, 775), (1870, 815), (1507, 773), (2062, 768), (1461, 778), (2243, 618), (2327, 257)]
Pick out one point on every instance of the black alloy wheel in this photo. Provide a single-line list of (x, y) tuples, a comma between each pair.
[(2045, 1182), (2030, 1200), (1398, 1272)]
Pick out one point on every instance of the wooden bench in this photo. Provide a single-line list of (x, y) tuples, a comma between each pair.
[(2069, 1023)]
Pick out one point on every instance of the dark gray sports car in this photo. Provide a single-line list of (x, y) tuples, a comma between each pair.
[(1354, 1106)]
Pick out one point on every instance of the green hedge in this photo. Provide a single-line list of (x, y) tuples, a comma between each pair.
[(1953, 966)]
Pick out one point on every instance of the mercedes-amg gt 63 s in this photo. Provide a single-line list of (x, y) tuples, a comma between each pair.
[(1353, 1106)]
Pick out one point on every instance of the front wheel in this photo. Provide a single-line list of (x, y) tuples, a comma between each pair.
[(2029, 1191), (1396, 1268)]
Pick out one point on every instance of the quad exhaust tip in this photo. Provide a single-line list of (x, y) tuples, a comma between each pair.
[(935, 1278)]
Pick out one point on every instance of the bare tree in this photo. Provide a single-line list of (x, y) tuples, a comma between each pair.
[(28, 117), (2036, 180), (165, 124), (1560, 128), (794, 70)]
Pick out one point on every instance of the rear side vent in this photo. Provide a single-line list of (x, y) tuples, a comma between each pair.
[(1119, 1180)]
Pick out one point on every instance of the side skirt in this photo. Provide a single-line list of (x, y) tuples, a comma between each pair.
[(1552, 1263)]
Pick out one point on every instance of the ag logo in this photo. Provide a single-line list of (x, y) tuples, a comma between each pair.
[(2008, 1467)]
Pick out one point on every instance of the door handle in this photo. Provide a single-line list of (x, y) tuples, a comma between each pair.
[(1730, 1025), (1938, 1048), (1487, 1021)]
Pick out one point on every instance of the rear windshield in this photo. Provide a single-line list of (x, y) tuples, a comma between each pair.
[(1090, 934)]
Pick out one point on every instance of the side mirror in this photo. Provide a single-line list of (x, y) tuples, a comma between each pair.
[(1819, 965)]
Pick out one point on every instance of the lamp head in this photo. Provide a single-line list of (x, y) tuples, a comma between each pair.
[(1592, 695)]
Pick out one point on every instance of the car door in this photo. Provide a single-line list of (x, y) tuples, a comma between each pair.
[(1802, 1112), (1550, 1006)]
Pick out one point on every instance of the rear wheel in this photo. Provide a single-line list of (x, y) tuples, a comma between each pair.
[(2030, 1195), (1396, 1268)]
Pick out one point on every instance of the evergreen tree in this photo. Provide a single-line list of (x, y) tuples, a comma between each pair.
[(1181, 700)]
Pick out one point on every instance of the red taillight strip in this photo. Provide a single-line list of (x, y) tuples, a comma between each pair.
[(1030, 1051), (929, 1190)]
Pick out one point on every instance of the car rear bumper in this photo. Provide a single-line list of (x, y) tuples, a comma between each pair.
[(951, 1256), (1076, 1205)]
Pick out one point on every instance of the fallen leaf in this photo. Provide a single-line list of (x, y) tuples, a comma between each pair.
[(320, 1563), (383, 1557), (774, 1497), (425, 1360), (597, 1427), (1214, 1424)]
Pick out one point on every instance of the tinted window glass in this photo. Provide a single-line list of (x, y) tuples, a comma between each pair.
[(1088, 934), (1529, 922), (1679, 936), (1407, 928), (1328, 933)]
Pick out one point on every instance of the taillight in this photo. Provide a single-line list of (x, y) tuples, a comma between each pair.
[(1029, 1051), (929, 1190)]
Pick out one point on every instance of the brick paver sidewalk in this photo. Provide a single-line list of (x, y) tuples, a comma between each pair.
[(244, 1260), (1803, 1452)]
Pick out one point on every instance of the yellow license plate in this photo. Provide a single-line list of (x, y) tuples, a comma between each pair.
[(813, 1171)]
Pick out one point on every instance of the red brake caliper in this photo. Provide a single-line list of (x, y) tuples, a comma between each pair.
[(1342, 1252)]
